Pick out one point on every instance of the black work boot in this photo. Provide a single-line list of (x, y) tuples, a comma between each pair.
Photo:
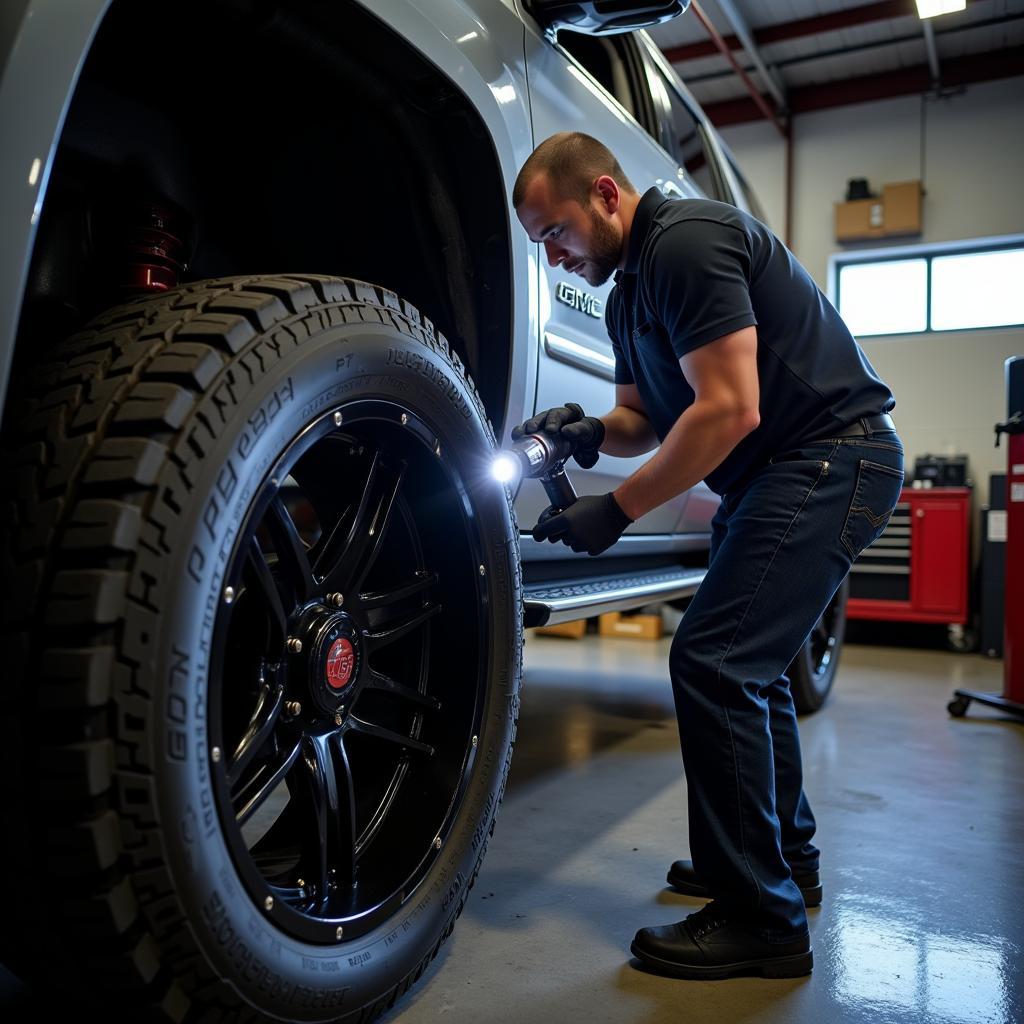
[(682, 877), (710, 945)]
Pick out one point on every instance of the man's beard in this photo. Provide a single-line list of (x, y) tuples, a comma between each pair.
[(603, 259)]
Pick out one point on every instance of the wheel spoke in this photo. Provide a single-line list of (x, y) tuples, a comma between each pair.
[(330, 849), (261, 580), (375, 599), (259, 730), (349, 554), (379, 681), (253, 794), (396, 630), (380, 733), (292, 561)]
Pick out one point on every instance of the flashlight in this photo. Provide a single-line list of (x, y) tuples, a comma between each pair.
[(543, 457)]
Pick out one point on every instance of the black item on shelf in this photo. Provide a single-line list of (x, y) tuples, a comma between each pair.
[(941, 470), (857, 188)]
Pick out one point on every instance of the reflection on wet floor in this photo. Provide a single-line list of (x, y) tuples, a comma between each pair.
[(899, 968), (921, 824)]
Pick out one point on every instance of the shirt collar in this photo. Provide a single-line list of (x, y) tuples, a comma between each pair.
[(643, 215)]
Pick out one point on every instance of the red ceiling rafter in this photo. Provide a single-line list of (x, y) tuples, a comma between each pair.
[(981, 67), (847, 18)]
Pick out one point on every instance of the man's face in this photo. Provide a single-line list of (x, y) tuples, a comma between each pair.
[(584, 240)]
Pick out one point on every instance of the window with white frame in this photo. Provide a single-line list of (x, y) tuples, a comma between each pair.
[(931, 288)]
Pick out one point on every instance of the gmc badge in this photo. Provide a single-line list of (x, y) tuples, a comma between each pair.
[(577, 298)]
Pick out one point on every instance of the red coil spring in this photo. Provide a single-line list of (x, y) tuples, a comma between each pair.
[(154, 248)]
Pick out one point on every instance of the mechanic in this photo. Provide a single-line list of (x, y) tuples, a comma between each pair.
[(729, 356)]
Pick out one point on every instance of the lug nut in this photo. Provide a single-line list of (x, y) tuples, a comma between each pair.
[(336, 599), (405, 419), (229, 595), (268, 903), (294, 645), (341, 931), (215, 754), (476, 739), (338, 718), (483, 571), (437, 843), (337, 419), (293, 707)]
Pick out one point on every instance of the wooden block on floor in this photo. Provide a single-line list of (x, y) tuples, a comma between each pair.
[(640, 627), (574, 630)]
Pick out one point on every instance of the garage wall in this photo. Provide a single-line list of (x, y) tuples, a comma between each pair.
[(974, 165), (949, 387)]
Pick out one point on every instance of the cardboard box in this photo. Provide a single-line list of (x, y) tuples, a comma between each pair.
[(640, 627), (902, 202), (574, 630), (898, 212), (860, 218)]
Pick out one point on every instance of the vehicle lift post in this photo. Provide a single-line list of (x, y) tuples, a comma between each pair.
[(1012, 698)]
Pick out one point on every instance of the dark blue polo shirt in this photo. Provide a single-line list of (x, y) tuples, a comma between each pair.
[(697, 270)]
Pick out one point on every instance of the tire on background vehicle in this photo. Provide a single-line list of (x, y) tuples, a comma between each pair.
[(151, 563), (813, 670)]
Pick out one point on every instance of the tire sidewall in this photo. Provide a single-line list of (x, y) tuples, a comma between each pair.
[(809, 690), (273, 971)]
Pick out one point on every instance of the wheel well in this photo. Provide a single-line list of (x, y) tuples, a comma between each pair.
[(311, 139)]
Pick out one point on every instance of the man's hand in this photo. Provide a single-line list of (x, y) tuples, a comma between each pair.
[(584, 433), (592, 524)]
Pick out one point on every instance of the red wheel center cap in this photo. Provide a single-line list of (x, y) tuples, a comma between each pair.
[(341, 659)]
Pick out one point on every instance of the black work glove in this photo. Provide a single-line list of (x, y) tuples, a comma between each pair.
[(592, 524), (584, 433)]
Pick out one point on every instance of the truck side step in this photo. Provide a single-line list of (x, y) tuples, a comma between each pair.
[(552, 602)]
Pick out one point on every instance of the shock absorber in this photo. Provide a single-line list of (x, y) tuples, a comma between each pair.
[(153, 246)]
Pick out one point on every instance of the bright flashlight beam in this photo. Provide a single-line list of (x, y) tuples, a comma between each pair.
[(505, 468)]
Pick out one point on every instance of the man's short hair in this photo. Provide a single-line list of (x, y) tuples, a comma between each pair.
[(573, 162)]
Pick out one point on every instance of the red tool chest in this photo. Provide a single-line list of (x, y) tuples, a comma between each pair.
[(919, 569)]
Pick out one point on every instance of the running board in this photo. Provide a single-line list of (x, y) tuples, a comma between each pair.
[(547, 604)]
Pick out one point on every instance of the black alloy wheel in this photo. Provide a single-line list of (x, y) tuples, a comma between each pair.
[(813, 671), (337, 777)]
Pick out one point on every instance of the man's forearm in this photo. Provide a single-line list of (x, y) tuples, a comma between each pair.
[(700, 440), (627, 432)]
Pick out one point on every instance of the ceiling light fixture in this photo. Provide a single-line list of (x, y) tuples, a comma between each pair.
[(933, 8)]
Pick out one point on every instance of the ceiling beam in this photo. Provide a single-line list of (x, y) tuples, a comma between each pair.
[(755, 97), (851, 16), (979, 67), (846, 51), (933, 52), (739, 26)]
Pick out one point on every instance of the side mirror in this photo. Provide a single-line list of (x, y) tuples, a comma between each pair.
[(604, 17)]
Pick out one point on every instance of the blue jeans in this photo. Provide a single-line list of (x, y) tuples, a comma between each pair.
[(780, 548)]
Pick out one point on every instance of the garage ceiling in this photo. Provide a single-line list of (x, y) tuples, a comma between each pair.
[(826, 53)]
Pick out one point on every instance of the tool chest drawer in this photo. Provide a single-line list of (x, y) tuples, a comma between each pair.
[(918, 569)]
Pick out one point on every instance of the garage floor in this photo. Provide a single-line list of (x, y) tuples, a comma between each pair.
[(921, 825)]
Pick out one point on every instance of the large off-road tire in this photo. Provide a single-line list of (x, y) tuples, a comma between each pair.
[(263, 629), (813, 671)]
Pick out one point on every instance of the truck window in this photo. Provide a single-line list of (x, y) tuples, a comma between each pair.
[(753, 204), (682, 135), (614, 63)]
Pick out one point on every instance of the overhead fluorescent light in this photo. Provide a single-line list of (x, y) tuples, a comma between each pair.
[(933, 8)]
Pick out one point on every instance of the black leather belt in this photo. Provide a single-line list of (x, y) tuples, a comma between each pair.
[(866, 426)]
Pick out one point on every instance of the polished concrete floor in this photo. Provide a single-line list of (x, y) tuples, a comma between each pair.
[(921, 826)]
